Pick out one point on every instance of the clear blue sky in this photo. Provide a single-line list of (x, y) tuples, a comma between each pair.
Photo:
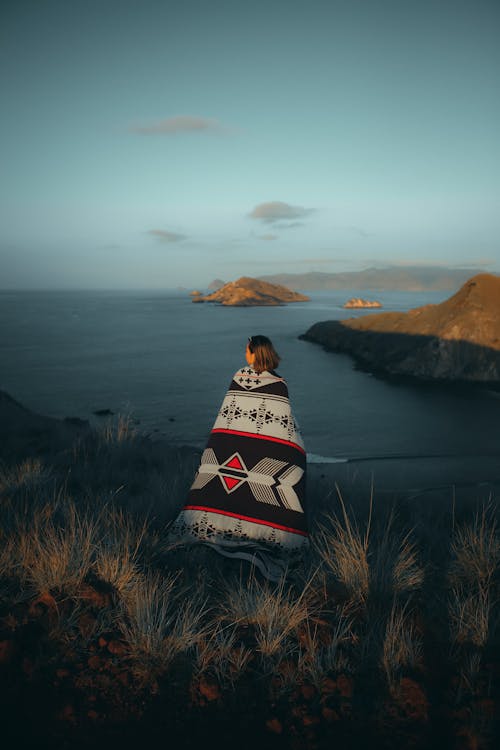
[(155, 144)]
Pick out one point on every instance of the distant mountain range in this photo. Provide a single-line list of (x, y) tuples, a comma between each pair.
[(407, 278)]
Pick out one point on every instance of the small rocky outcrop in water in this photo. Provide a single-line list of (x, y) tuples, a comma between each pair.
[(458, 339), (357, 302), (248, 292)]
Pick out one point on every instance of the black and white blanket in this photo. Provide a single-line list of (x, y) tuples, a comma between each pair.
[(247, 498)]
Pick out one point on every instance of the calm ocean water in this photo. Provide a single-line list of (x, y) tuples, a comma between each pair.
[(168, 362)]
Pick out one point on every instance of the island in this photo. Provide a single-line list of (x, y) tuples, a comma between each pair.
[(358, 303), (456, 340), (248, 292)]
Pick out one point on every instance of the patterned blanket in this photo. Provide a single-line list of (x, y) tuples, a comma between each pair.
[(247, 498)]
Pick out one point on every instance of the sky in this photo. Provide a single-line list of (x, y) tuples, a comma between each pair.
[(163, 143)]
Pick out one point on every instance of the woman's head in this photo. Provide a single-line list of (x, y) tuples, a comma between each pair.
[(261, 354)]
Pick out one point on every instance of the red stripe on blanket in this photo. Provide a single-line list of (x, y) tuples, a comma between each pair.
[(261, 437), (246, 518)]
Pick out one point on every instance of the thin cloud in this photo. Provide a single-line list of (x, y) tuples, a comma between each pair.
[(164, 236), (278, 211), (180, 124), (268, 237)]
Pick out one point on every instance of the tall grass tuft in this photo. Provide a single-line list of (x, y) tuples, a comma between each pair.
[(365, 564), (118, 554), (158, 622), (395, 568), (344, 550), (402, 646), (221, 656), (469, 615), (119, 431), (275, 612), (475, 550), (28, 476), (56, 555), (319, 661)]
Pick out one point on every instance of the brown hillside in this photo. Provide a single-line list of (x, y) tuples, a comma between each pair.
[(472, 314), (458, 339)]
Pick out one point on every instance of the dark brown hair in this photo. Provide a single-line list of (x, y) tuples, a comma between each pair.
[(266, 356)]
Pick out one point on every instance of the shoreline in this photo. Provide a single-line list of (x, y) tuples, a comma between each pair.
[(476, 477)]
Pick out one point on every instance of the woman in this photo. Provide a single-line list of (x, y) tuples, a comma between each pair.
[(247, 498)]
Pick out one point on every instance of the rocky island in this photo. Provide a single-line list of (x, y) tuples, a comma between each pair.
[(248, 292), (358, 303), (456, 340)]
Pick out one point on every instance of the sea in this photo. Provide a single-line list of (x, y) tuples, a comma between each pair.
[(165, 363)]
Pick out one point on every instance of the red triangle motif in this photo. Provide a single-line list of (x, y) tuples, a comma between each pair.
[(230, 482), (234, 463)]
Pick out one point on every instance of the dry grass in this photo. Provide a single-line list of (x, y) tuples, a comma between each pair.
[(476, 550), (469, 614), (106, 516), (158, 622), (118, 431), (344, 550), (274, 611), (394, 564), (366, 565), (402, 646), (220, 656), (28, 476), (56, 554), (118, 554), (319, 661)]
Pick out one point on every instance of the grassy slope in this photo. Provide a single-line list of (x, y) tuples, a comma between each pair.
[(109, 631)]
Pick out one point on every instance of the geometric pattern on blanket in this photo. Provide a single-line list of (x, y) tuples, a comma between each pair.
[(249, 490)]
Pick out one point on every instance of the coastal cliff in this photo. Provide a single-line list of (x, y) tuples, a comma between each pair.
[(456, 340), (248, 292)]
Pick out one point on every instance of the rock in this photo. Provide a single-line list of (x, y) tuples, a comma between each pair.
[(248, 292), (328, 686), (7, 651), (42, 603), (209, 690), (329, 714), (94, 662), (117, 648), (413, 700), (357, 302), (345, 686), (308, 720), (308, 692), (274, 725), (456, 340)]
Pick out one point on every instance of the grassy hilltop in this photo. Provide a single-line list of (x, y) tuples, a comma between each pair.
[(110, 633)]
